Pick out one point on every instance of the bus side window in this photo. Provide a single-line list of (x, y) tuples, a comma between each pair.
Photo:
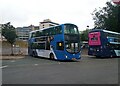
[(41, 46), (33, 35), (58, 30), (37, 34), (44, 32), (53, 32)]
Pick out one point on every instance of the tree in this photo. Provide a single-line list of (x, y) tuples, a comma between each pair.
[(107, 17), (8, 31), (84, 35)]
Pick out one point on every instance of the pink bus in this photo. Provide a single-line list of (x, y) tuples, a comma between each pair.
[(104, 43)]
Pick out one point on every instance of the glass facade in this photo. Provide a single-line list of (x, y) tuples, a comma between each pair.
[(23, 32)]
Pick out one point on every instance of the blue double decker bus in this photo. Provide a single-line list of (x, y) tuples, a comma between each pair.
[(60, 42), (104, 43)]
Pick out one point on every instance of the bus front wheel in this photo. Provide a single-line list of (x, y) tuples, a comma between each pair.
[(52, 56)]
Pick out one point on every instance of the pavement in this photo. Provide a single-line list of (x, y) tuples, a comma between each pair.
[(12, 57)]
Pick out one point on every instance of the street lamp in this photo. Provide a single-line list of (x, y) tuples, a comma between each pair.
[(87, 26)]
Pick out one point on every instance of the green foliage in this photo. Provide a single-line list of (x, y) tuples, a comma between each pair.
[(107, 17), (84, 35), (8, 31)]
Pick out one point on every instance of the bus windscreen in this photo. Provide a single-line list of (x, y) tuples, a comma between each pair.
[(94, 38)]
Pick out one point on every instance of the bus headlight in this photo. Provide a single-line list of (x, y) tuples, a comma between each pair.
[(97, 49), (66, 56), (60, 44)]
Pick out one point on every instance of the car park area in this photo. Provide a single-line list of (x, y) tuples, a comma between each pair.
[(87, 70)]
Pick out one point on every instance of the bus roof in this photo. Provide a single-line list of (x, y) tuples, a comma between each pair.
[(57, 26), (111, 32), (49, 27), (34, 31), (107, 31)]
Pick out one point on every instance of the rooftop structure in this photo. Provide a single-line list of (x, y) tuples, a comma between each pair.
[(47, 23)]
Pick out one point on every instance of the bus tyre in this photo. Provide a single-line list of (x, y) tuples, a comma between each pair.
[(52, 56), (34, 54)]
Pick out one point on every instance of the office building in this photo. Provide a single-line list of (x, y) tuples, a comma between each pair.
[(47, 23), (23, 32)]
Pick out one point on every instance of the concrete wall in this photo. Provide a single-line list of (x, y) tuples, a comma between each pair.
[(20, 48)]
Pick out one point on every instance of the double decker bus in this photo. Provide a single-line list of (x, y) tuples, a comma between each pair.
[(60, 42), (104, 43)]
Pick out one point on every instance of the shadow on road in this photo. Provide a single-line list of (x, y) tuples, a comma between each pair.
[(54, 59), (94, 57)]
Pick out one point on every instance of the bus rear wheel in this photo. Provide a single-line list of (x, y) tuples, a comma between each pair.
[(34, 54), (51, 56)]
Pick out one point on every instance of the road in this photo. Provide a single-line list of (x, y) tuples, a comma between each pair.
[(88, 70)]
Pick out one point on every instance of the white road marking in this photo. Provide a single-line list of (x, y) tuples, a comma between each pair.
[(3, 67), (36, 64), (13, 61)]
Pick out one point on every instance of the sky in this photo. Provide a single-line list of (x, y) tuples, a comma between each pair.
[(26, 12)]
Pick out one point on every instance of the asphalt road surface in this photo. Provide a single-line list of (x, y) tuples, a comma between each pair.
[(88, 70)]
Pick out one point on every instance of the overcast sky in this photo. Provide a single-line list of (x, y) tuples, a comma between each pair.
[(26, 12)]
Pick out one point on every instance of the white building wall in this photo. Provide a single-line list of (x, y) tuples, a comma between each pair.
[(47, 23), (44, 25)]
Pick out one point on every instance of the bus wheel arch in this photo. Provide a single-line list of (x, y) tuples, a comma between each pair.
[(34, 53), (52, 56)]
